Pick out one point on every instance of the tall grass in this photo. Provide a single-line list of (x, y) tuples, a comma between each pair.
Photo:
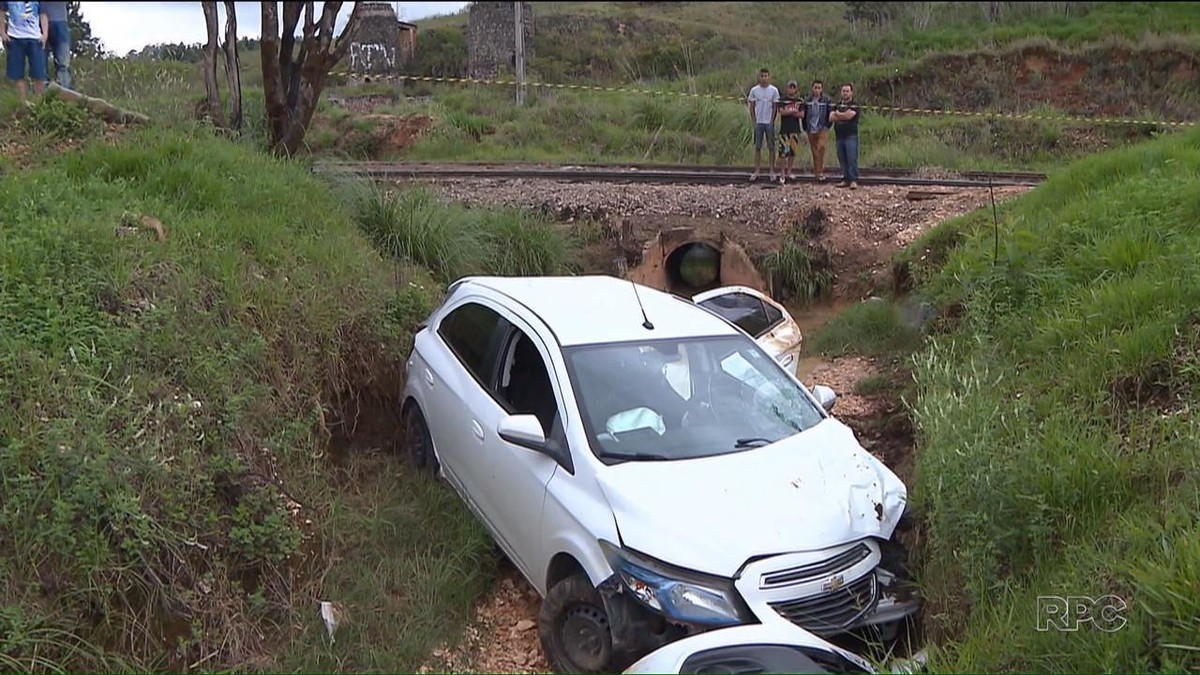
[(874, 327), (185, 455), (453, 241), (1057, 456)]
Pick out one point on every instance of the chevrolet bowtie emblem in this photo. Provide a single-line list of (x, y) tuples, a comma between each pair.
[(835, 582)]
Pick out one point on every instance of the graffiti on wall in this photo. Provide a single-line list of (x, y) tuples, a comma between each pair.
[(372, 57)]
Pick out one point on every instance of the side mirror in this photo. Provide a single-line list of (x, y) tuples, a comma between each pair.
[(523, 430), (825, 396)]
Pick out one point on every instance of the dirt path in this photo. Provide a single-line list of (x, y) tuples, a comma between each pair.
[(504, 636)]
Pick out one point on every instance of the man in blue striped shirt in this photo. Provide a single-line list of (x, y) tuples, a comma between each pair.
[(816, 124), (24, 29)]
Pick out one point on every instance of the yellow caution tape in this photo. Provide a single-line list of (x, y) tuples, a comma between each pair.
[(718, 97)]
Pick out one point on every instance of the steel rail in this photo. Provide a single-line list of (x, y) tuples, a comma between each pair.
[(657, 173)]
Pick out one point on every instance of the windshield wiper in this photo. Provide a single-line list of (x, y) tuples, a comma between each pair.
[(752, 442), (633, 455)]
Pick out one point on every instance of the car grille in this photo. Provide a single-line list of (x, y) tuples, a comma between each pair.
[(842, 561), (831, 612)]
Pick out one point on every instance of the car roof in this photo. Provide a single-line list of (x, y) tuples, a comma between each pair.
[(596, 309), (729, 290)]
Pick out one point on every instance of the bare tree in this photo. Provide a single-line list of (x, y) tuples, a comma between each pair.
[(993, 11), (233, 74), (293, 82), (210, 66)]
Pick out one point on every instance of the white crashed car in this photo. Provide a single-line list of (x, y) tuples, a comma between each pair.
[(648, 467), (765, 320)]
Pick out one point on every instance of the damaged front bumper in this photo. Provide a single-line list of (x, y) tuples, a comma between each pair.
[(826, 593)]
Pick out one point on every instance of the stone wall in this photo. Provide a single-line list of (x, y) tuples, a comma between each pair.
[(491, 38), (384, 43)]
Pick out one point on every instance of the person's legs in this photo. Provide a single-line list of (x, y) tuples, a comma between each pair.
[(14, 68), (793, 146), (812, 149), (819, 159), (37, 65), (852, 160), (60, 47), (770, 144), (759, 137), (842, 161), (782, 151)]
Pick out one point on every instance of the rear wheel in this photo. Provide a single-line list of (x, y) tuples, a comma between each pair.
[(574, 628), (418, 442)]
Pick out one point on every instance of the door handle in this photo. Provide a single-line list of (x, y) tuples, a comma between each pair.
[(428, 377), (477, 430)]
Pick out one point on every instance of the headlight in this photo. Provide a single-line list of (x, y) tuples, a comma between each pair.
[(680, 595)]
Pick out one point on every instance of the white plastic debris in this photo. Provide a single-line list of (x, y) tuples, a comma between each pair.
[(913, 664), (332, 614)]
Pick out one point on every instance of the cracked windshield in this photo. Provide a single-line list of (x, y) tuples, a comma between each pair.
[(681, 399)]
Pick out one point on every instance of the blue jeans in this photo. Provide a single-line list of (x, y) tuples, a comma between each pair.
[(21, 51), (847, 152), (59, 47)]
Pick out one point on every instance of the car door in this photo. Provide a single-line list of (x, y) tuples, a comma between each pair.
[(457, 378), (514, 486)]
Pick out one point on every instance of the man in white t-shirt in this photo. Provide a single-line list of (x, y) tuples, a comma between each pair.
[(764, 107)]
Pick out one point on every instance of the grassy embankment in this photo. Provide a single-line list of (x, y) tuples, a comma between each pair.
[(1057, 454), (481, 123), (198, 441)]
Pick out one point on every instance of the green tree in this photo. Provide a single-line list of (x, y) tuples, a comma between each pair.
[(442, 53), (83, 43)]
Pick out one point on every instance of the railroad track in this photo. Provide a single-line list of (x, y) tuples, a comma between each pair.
[(657, 173)]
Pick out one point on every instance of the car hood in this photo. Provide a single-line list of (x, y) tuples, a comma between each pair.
[(671, 657), (807, 492)]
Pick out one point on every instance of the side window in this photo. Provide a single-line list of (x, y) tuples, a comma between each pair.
[(525, 382), (774, 316), (746, 311), (468, 330)]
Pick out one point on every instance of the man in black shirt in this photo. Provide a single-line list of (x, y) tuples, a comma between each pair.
[(845, 127), (791, 114)]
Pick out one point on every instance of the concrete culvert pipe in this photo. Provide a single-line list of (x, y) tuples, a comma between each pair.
[(692, 259), (692, 268)]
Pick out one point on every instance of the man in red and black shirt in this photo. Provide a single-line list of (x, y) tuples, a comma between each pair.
[(791, 116)]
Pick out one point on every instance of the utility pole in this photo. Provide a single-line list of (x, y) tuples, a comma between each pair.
[(518, 14)]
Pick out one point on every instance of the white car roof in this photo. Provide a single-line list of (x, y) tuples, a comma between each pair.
[(595, 309), (729, 290)]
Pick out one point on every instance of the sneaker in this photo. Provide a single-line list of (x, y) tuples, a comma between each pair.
[(783, 179), (842, 184), (853, 186), (753, 177), (821, 179), (772, 178)]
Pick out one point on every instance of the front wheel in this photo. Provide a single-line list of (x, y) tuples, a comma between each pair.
[(574, 628)]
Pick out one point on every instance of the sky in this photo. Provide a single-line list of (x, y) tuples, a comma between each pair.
[(125, 26)]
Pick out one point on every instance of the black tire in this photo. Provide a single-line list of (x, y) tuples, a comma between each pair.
[(417, 441), (574, 628)]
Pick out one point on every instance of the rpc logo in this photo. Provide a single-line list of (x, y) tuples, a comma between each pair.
[(1067, 613)]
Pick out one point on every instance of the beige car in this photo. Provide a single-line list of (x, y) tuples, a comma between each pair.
[(761, 317)]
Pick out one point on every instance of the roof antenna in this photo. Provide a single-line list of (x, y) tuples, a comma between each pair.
[(645, 324)]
